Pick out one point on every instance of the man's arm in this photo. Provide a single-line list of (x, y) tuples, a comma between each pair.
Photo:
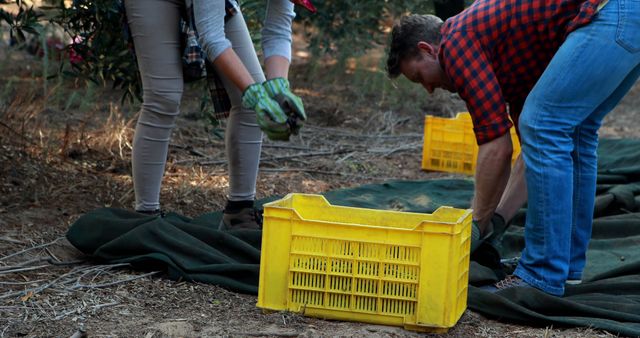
[(492, 174), (515, 195)]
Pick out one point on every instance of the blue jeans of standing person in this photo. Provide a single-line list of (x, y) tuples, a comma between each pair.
[(591, 72)]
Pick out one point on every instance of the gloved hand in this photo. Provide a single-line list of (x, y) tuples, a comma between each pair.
[(496, 228), (499, 227), (270, 116), (477, 238), (278, 89)]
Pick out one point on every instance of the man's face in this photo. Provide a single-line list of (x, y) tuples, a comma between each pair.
[(425, 70)]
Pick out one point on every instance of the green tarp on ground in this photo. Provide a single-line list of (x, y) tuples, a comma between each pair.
[(609, 299)]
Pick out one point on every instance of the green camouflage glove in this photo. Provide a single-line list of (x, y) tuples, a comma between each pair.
[(499, 227), (270, 116), (278, 89), (496, 229), (476, 236)]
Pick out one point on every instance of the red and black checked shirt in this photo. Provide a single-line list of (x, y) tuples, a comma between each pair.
[(495, 51)]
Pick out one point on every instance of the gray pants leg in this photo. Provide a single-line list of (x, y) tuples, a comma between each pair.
[(154, 27), (243, 137)]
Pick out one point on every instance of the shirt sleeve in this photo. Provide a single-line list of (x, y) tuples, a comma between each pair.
[(276, 31), (209, 20), (468, 66)]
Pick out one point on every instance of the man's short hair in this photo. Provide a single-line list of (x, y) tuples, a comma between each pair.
[(405, 36)]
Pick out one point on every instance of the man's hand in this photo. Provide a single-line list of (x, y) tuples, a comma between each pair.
[(498, 226), (269, 114), (492, 173), (278, 89), (492, 235)]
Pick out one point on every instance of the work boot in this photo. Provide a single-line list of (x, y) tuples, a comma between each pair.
[(245, 218), (509, 282)]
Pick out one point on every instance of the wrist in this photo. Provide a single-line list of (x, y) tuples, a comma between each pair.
[(276, 86), (252, 94)]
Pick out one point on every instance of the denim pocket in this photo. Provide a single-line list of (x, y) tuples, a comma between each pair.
[(628, 32)]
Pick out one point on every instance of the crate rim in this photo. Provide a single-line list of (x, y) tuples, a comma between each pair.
[(460, 219)]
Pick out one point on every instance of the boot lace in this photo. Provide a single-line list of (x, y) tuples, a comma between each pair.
[(509, 281)]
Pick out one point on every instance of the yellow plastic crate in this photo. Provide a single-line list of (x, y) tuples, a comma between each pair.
[(450, 144), (355, 264)]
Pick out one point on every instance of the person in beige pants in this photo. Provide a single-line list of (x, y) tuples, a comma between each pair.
[(254, 100)]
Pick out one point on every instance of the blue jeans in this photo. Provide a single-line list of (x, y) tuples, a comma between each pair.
[(591, 72)]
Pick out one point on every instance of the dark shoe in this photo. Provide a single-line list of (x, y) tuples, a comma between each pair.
[(156, 212), (510, 281), (247, 218)]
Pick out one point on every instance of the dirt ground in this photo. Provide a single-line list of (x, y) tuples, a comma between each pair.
[(61, 157)]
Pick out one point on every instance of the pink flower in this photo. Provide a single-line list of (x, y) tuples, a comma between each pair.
[(306, 4), (74, 57)]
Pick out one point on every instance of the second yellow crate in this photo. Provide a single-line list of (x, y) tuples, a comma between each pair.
[(356, 264), (450, 144)]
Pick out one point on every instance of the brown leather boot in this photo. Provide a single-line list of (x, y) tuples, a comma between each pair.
[(246, 218)]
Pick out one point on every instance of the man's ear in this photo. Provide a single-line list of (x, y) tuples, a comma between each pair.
[(427, 47)]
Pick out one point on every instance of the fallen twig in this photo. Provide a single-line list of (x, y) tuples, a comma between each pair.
[(317, 153), (51, 254), (96, 286), (23, 283), (45, 286), (284, 146), (16, 133), (31, 248), (30, 268), (388, 152), (100, 306), (313, 171), (11, 240), (23, 264), (189, 149), (63, 263), (342, 159), (340, 132), (268, 334)]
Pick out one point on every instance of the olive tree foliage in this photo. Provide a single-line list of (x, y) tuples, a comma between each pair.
[(97, 47), (101, 53), (350, 28), (25, 22)]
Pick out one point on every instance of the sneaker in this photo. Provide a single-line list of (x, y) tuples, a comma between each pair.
[(573, 281), (247, 218), (510, 281)]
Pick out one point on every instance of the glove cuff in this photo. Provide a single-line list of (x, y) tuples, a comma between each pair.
[(276, 86), (498, 222), (252, 95)]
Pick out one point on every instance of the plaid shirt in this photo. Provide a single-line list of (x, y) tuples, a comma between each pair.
[(195, 64), (495, 51)]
